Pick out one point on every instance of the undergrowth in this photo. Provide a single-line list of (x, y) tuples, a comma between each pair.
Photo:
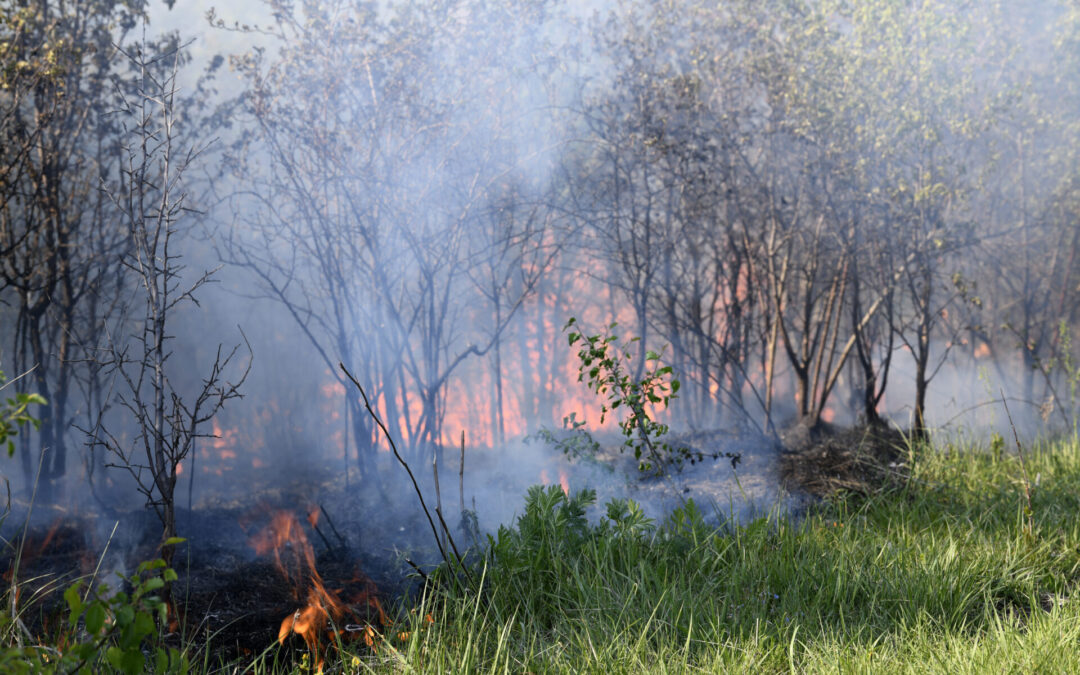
[(938, 574)]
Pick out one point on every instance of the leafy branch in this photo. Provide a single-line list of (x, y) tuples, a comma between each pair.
[(604, 368), (14, 413)]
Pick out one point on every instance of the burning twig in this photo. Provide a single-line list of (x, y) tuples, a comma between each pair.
[(322, 609), (401, 460)]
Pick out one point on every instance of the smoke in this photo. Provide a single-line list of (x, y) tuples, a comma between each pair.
[(427, 192), (430, 145)]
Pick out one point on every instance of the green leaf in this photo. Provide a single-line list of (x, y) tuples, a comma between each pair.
[(173, 541), (144, 624), (75, 603), (95, 618), (115, 655), (71, 595), (28, 399), (133, 662)]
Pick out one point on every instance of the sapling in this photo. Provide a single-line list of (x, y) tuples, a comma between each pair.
[(604, 367)]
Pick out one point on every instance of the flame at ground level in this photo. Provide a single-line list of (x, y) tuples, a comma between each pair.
[(325, 610)]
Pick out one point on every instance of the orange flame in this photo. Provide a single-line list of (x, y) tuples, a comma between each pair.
[(323, 608)]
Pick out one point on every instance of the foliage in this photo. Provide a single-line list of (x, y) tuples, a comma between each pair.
[(14, 412), (61, 279), (938, 571), (107, 631), (1061, 369), (553, 537), (604, 367)]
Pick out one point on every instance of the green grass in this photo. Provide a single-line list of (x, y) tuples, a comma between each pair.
[(938, 575)]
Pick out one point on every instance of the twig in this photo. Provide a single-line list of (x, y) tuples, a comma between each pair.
[(417, 568), (1023, 465), (461, 473), (438, 494), (101, 559), (325, 541), (330, 522), (404, 464), (15, 379), (461, 561)]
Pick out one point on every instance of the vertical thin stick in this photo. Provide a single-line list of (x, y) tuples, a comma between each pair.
[(461, 474), (1023, 464), (401, 460), (348, 425), (438, 494), (330, 521)]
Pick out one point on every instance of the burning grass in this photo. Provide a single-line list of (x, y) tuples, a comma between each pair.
[(935, 572)]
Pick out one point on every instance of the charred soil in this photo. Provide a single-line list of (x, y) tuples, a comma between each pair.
[(823, 460)]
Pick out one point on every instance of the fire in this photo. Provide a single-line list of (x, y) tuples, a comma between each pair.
[(564, 480), (311, 621), (324, 610)]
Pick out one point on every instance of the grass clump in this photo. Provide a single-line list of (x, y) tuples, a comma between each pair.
[(940, 574)]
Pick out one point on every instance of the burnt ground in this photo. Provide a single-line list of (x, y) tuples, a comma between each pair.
[(237, 599), (826, 460), (230, 596)]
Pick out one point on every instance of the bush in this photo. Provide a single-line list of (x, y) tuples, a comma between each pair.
[(105, 632)]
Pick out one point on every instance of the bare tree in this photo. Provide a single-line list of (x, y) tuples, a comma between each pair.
[(367, 175), (151, 198)]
